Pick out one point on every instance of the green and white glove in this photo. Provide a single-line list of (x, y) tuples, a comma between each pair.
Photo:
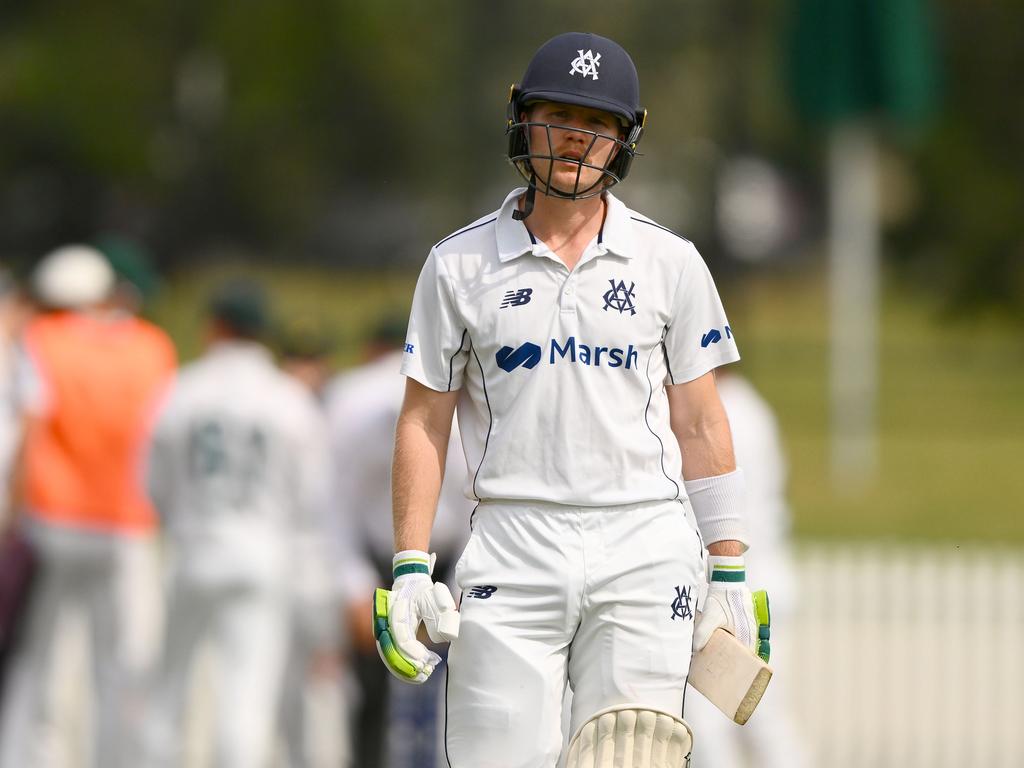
[(397, 614), (731, 605)]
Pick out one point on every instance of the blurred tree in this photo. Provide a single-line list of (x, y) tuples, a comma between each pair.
[(965, 239), (358, 133)]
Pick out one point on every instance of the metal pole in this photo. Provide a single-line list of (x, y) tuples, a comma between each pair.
[(853, 284)]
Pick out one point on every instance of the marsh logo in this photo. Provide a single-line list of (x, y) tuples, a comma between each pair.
[(527, 355), (714, 336)]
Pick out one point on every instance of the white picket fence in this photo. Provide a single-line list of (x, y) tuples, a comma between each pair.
[(909, 656)]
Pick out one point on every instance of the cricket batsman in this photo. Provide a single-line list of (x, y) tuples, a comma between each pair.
[(578, 340)]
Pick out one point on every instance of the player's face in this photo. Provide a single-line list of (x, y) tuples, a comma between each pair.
[(570, 134)]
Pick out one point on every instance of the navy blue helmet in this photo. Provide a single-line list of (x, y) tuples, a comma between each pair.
[(584, 70)]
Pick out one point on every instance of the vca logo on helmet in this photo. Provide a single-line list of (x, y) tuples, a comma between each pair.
[(586, 64)]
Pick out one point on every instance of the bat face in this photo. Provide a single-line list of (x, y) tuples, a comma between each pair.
[(729, 676)]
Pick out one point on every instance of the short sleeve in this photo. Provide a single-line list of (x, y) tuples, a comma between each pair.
[(698, 338), (436, 345)]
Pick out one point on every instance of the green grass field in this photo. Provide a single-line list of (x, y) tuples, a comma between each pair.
[(950, 418), (950, 412)]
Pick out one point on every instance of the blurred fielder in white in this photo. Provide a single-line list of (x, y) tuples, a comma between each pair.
[(363, 406), (312, 711), (770, 738), (237, 470)]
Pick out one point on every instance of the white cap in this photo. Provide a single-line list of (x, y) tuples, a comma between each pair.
[(73, 277)]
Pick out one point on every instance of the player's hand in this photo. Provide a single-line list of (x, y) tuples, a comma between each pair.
[(731, 605), (397, 615)]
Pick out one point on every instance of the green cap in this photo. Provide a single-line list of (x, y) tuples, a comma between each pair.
[(242, 305)]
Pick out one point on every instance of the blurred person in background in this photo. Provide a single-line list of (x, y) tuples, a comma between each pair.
[(363, 406), (16, 561), (87, 382), (13, 315), (770, 738), (305, 347), (237, 469), (136, 280), (312, 677)]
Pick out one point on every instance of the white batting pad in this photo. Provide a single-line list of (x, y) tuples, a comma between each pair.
[(628, 736)]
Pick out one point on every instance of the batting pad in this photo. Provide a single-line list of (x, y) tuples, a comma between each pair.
[(629, 736)]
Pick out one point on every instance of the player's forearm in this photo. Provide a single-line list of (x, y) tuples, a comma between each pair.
[(713, 484), (416, 482), (706, 445)]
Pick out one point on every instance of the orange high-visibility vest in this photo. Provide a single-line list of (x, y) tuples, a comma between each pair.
[(102, 379)]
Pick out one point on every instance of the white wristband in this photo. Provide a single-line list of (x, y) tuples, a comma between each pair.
[(718, 503), (412, 561)]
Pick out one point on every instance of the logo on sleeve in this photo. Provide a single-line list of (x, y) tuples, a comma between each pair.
[(409, 349), (681, 606), (620, 297), (714, 336), (516, 298), (527, 355), (482, 592)]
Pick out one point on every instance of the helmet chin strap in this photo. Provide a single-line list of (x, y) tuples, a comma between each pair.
[(531, 195)]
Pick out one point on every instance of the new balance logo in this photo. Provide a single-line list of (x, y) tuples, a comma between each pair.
[(483, 592), (508, 359), (516, 298), (714, 336)]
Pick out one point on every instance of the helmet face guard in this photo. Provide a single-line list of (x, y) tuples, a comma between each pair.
[(524, 156)]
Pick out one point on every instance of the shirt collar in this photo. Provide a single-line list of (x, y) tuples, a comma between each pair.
[(514, 239)]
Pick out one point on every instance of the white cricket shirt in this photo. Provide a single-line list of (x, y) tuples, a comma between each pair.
[(238, 465), (562, 373)]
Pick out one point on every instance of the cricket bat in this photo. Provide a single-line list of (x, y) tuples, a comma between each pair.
[(729, 675)]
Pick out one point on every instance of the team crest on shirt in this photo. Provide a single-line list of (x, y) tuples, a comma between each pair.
[(586, 63), (619, 297)]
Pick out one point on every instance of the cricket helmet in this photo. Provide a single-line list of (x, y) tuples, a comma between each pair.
[(584, 70)]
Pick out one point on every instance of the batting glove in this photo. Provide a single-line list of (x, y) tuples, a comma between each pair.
[(397, 614), (731, 605)]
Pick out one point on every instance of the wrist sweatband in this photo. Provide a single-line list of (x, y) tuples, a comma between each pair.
[(726, 570), (410, 561), (718, 503)]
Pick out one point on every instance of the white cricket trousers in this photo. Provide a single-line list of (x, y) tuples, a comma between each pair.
[(602, 598), (112, 579), (248, 625)]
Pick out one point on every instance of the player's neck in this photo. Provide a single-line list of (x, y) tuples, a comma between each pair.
[(566, 226)]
